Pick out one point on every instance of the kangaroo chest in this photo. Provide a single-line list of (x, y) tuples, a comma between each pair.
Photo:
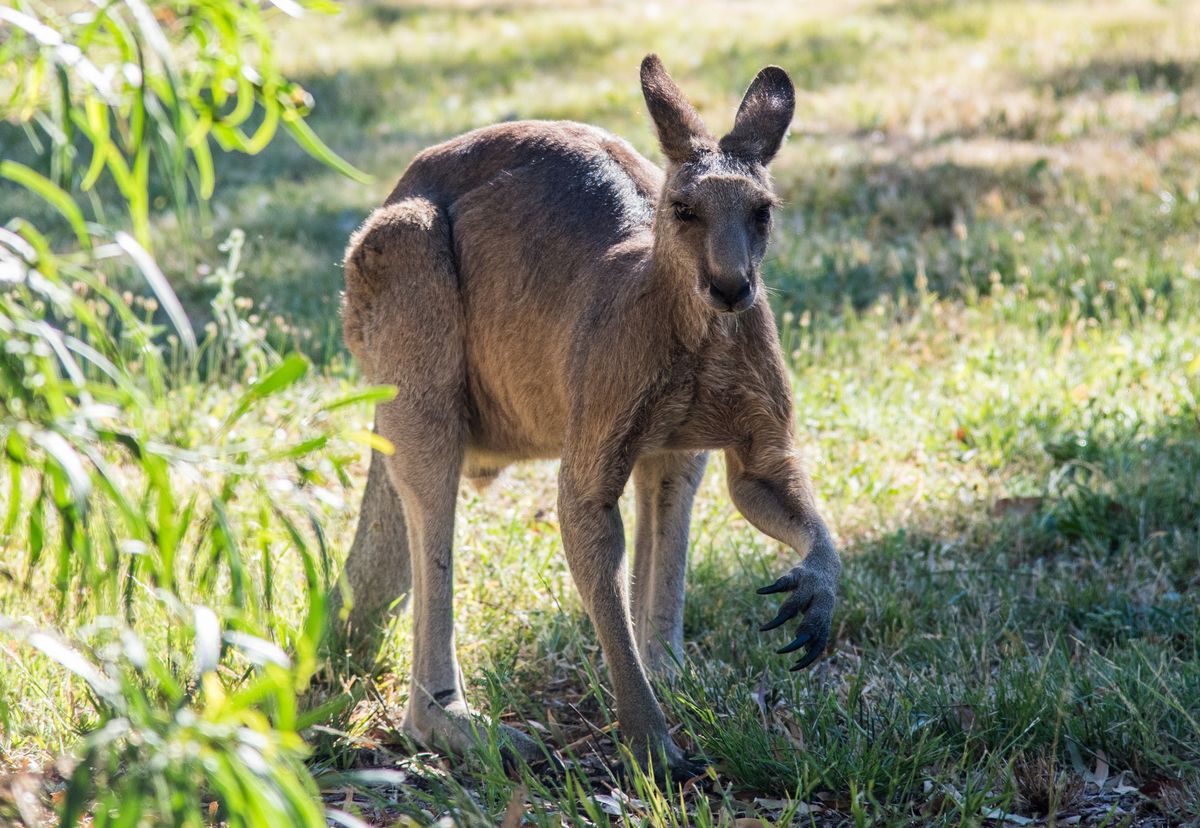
[(694, 407)]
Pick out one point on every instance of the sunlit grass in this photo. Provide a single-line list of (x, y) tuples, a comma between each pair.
[(988, 284)]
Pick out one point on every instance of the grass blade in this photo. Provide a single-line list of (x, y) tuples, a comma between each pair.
[(161, 287), (317, 148), (292, 368), (49, 192)]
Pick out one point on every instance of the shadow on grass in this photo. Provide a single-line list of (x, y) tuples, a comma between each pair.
[(1064, 622), (1061, 628), (421, 100), (1090, 88), (1109, 75), (855, 232), (852, 231)]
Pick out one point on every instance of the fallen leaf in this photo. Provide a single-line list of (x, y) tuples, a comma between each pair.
[(607, 804), (1100, 774), (1003, 816), (627, 800), (776, 805)]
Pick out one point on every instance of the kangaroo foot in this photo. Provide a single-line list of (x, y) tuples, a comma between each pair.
[(665, 762), (452, 727)]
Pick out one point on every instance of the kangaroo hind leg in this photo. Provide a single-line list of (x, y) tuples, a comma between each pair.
[(666, 486), (377, 576), (399, 244), (403, 319)]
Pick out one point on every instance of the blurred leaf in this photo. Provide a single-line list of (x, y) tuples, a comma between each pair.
[(68, 460), (370, 395), (258, 650), (315, 147), (109, 491), (161, 287), (343, 818), (75, 662), (49, 192), (207, 651), (293, 367), (66, 54), (372, 440)]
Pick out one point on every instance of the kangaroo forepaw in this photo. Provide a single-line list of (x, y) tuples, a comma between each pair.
[(813, 591)]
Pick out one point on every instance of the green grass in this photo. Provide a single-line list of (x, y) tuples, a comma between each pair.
[(988, 280)]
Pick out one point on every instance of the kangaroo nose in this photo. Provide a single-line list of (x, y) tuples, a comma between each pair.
[(731, 294)]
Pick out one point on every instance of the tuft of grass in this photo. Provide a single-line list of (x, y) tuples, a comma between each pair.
[(1043, 787)]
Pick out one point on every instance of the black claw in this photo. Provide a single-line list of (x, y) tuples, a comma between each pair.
[(797, 642), (778, 620), (779, 586), (809, 658)]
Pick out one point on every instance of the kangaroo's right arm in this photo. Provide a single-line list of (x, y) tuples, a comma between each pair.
[(770, 487)]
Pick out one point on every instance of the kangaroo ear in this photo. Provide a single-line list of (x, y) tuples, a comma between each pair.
[(681, 133), (763, 118)]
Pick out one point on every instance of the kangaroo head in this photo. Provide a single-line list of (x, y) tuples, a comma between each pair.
[(714, 215)]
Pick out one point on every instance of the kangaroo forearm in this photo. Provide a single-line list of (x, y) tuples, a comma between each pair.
[(777, 498)]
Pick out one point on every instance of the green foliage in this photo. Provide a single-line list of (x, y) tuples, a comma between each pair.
[(137, 88), (166, 745), (101, 447)]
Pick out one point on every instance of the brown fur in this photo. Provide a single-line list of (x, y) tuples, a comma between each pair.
[(539, 290)]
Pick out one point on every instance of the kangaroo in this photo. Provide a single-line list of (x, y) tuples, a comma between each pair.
[(541, 290)]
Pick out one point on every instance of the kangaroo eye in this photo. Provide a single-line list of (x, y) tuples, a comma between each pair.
[(683, 212), (762, 215)]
